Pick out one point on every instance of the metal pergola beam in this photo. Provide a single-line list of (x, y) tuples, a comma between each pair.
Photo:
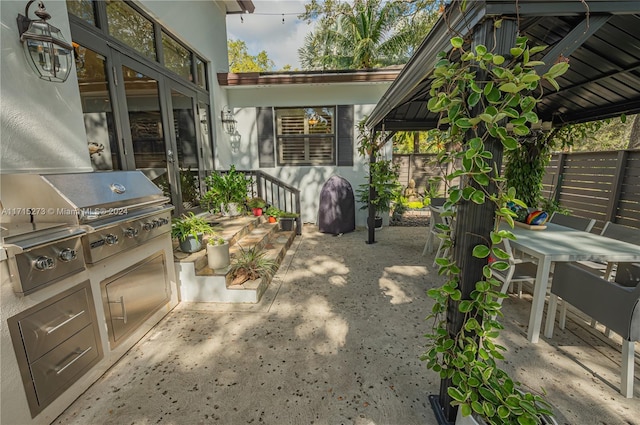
[(559, 7), (576, 37)]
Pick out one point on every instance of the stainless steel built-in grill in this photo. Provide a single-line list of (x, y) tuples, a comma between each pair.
[(55, 227), (114, 211)]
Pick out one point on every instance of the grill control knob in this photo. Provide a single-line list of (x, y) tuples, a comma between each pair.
[(111, 239), (68, 254), (157, 223), (44, 263), (130, 232), (163, 221), (147, 226)]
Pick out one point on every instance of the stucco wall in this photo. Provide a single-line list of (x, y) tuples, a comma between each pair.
[(308, 179), (41, 122), (202, 26)]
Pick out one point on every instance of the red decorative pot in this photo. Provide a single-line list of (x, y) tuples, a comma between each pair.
[(257, 211)]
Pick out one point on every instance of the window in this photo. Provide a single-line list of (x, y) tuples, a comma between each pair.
[(83, 9), (176, 57), (201, 73), (96, 107), (306, 136), (130, 27)]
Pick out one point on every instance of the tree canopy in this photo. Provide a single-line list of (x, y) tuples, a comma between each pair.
[(241, 61), (365, 33)]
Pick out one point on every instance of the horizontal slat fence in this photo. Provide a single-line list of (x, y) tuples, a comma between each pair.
[(600, 185)]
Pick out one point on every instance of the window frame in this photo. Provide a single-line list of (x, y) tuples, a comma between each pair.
[(306, 137)]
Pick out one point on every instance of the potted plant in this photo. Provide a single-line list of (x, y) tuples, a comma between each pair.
[(286, 220), (256, 204), (384, 181), (272, 213), (251, 264), (190, 229), (226, 192), (217, 252)]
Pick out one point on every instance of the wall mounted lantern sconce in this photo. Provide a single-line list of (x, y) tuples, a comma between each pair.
[(47, 51), (228, 121)]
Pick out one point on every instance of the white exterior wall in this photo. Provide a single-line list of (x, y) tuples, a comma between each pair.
[(308, 179), (42, 126), (42, 123), (202, 26)]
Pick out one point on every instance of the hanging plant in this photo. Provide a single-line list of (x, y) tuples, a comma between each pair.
[(482, 97)]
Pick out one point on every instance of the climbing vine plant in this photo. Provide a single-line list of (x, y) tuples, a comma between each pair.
[(481, 95)]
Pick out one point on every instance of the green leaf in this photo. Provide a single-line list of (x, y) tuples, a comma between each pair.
[(533, 63), (488, 88), (509, 143), (516, 51), (481, 50), (521, 130), (457, 42), (531, 116), (493, 96), (475, 143), (456, 394), (478, 196), (481, 251), (465, 410), (558, 69), (498, 60), (465, 306), (473, 99), (509, 88), (554, 83), (463, 123), (489, 409), (536, 49), (530, 78)]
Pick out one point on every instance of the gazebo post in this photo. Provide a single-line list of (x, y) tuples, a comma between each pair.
[(474, 222)]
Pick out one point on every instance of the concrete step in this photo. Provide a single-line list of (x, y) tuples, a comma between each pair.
[(199, 283)]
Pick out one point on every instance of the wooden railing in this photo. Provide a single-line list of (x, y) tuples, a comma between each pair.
[(600, 185), (277, 193)]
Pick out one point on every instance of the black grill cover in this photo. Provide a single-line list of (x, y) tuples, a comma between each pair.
[(337, 211)]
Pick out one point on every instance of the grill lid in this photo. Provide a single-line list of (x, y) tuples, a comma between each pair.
[(106, 190), (79, 197)]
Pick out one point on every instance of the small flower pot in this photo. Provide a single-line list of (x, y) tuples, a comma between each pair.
[(231, 210), (272, 219), (286, 223), (191, 244), (218, 256), (257, 211)]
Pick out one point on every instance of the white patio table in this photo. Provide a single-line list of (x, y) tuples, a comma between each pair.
[(561, 244)]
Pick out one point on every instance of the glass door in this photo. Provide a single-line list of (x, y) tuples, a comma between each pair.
[(147, 148), (184, 142)]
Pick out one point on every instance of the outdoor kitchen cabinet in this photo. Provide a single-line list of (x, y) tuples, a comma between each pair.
[(55, 342), (132, 296)]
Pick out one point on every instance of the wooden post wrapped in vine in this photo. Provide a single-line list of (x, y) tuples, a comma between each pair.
[(486, 96)]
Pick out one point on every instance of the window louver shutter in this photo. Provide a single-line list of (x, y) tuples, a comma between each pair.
[(264, 122), (345, 135)]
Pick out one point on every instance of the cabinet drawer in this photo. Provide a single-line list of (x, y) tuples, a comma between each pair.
[(49, 326), (60, 367)]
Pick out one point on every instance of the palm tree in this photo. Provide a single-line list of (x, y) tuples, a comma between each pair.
[(368, 34)]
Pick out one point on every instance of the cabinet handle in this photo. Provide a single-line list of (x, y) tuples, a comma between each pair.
[(55, 328), (59, 371), (124, 310)]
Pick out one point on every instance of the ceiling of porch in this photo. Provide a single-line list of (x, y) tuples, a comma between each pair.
[(602, 44)]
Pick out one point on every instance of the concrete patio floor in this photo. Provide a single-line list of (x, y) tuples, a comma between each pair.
[(336, 340)]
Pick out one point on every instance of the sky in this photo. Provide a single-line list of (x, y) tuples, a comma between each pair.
[(264, 30)]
